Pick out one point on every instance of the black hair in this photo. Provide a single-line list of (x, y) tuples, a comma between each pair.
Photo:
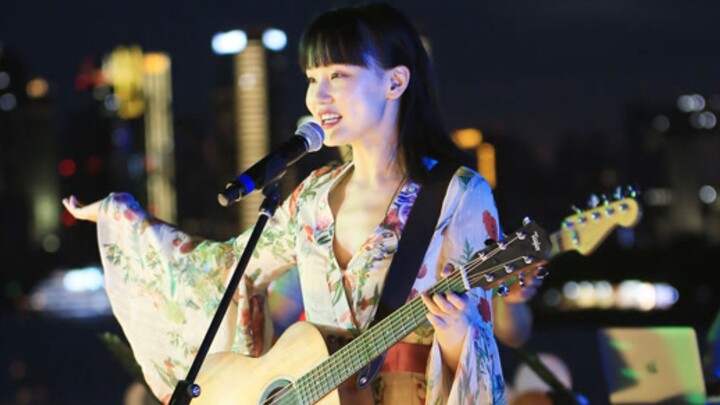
[(377, 34)]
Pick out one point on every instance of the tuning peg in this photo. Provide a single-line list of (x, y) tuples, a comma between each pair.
[(541, 273), (509, 268), (576, 210), (520, 235), (521, 280), (528, 259), (617, 195), (631, 192), (489, 277), (503, 290), (575, 237), (593, 201), (605, 200), (526, 221)]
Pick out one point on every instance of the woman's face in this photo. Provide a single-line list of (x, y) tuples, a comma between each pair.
[(349, 102)]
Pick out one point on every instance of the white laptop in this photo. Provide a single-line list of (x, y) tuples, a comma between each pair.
[(658, 365)]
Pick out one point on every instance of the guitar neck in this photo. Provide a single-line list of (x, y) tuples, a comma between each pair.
[(369, 345), (558, 244), (484, 270)]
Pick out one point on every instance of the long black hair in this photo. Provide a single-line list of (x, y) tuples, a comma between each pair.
[(378, 34)]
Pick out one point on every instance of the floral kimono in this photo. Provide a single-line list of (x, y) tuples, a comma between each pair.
[(165, 285)]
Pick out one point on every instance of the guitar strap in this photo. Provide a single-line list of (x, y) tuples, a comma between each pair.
[(410, 252), (415, 239)]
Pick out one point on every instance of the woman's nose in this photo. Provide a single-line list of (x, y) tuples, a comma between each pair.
[(322, 91)]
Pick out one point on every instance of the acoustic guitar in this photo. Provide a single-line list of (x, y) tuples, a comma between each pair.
[(300, 369)]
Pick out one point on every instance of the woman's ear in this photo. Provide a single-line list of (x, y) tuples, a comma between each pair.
[(399, 78)]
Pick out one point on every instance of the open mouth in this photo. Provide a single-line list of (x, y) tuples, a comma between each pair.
[(329, 119)]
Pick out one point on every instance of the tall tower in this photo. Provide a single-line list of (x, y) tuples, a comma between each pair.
[(159, 162), (251, 118), (246, 103)]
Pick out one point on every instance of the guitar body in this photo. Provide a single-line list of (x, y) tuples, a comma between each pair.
[(229, 378)]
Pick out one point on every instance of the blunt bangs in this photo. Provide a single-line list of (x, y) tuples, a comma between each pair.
[(337, 38)]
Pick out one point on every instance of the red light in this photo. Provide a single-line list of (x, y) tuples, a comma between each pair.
[(93, 164), (83, 81), (67, 218), (67, 167)]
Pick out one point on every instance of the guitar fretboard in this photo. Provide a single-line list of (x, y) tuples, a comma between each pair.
[(368, 346), (329, 374)]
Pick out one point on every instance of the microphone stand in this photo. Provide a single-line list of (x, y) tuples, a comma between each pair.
[(186, 389)]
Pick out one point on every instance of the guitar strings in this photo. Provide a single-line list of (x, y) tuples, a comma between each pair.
[(454, 276), (440, 286), (412, 309)]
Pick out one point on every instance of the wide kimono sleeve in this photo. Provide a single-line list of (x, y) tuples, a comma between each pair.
[(165, 287), (471, 219)]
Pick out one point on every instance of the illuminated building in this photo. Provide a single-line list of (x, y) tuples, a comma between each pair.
[(251, 118), (159, 139), (142, 88)]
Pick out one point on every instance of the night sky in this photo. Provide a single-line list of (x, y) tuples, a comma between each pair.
[(534, 70)]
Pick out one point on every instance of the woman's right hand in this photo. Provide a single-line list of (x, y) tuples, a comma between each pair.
[(81, 211)]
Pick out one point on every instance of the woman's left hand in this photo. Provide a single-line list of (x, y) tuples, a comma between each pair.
[(450, 314), (81, 211)]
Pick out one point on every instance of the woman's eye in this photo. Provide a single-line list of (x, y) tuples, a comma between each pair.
[(336, 75), (310, 80)]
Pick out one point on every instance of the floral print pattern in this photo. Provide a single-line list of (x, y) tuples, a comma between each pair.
[(165, 285)]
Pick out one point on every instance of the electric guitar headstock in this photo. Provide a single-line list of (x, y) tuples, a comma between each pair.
[(586, 230), (529, 248)]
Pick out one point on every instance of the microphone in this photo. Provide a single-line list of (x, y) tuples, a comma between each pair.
[(309, 138)]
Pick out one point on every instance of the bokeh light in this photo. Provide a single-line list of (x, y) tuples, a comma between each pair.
[(274, 39), (37, 88), (8, 102), (707, 194), (228, 43)]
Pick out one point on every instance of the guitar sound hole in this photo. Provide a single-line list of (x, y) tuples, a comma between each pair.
[(276, 392)]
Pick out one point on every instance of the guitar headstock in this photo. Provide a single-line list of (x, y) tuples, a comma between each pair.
[(585, 230), (493, 266)]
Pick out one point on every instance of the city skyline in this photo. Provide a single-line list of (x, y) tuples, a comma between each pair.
[(569, 98), (542, 172), (531, 71)]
